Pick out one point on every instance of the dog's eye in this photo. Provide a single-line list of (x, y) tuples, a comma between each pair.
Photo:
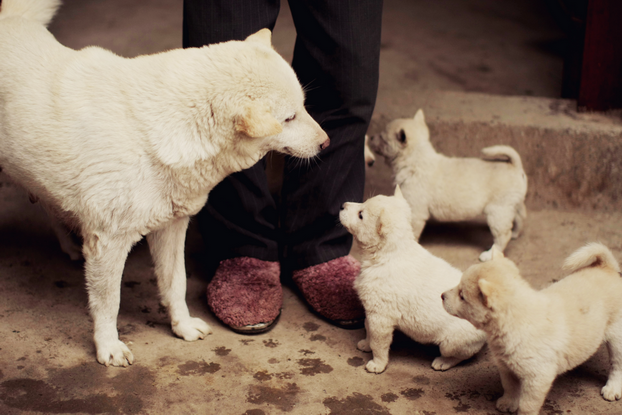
[(361, 215), (292, 118), (461, 295)]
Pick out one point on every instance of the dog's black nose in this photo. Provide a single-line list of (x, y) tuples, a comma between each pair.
[(343, 206), (443, 296)]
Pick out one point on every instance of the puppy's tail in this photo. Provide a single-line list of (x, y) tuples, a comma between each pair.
[(502, 153), (41, 11), (591, 255)]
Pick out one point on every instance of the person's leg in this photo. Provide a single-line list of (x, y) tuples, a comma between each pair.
[(336, 58), (238, 224)]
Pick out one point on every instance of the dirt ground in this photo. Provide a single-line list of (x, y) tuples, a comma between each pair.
[(305, 365)]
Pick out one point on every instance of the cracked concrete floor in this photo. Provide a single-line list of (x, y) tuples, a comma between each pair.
[(305, 365)]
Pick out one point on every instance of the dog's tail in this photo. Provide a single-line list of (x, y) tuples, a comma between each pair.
[(591, 255), (502, 153), (41, 11)]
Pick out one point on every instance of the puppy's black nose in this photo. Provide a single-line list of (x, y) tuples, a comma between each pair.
[(325, 144), (343, 206), (371, 163), (443, 296)]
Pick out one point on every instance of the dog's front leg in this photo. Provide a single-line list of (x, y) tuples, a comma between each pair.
[(533, 392), (380, 335), (104, 262), (167, 249), (511, 389)]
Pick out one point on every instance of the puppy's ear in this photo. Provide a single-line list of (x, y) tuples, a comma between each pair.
[(263, 36), (419, 117), (398, 192), (256, 121), (380, 228), (487, 291), (496, 253)]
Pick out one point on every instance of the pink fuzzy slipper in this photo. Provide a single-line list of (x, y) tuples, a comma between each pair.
[(329, 290), (246, 294)]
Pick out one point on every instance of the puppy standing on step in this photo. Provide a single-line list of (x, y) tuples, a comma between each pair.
[(536, 335), (455, 189), (400, 285), (122, 148)]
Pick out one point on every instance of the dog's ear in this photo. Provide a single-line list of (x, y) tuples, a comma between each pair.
[(496, 253), (398, 192), (256, 121), (486, 289), (263, 36), (380, 229), (419, 117)]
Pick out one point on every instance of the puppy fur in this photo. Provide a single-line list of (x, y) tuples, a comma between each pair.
[(400, 285), (122, 148), (454, 189), (536, 335)]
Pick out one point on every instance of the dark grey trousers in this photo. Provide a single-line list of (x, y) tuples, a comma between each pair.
[(336, 58)]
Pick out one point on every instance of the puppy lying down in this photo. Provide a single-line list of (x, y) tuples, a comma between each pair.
[(450, 189), (536, 335), (122, 148), (400, 285)]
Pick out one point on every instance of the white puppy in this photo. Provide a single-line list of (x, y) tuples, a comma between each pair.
[(536, 335), (454, 189), (400, 285), (122, 148)]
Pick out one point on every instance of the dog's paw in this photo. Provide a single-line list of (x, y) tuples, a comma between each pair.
[(115, 353), (486, 256), (363, 346), (507, 404), (445, 363), (611, 393), (192, 329), (375, 367)]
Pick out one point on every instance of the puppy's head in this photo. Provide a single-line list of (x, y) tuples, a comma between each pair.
[(270, 113), (400, 136), (484, 291), (378, 221)]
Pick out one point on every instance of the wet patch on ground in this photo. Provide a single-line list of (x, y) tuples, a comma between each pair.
[(357, 403), (81, 389), (312, 367), (197, 368), (284, 398)]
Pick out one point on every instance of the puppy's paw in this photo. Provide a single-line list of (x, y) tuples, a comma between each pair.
[(445, 363), (115, 353), (363, 346), (191, 329), (611, 392), (486, 256), (507, 404), (373, 366)]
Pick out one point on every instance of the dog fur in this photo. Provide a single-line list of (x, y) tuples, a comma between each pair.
[(451, 188), (400, 285), (536, 335), (123, 148)]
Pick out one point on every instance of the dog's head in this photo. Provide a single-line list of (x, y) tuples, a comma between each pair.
[(400, 136), (378, 221), (484, 291), (272, 110)]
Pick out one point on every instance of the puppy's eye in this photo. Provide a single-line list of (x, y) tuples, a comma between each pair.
[(361, 215), (461, 295), (292, 118)]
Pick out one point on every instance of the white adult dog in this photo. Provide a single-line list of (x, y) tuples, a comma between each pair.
[(451, 188), (400, 285), (536, 335), (122, 148)]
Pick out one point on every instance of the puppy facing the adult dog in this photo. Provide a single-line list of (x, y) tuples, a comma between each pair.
[(451, 188), (536, 335), (400, 285), (122, 148)]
